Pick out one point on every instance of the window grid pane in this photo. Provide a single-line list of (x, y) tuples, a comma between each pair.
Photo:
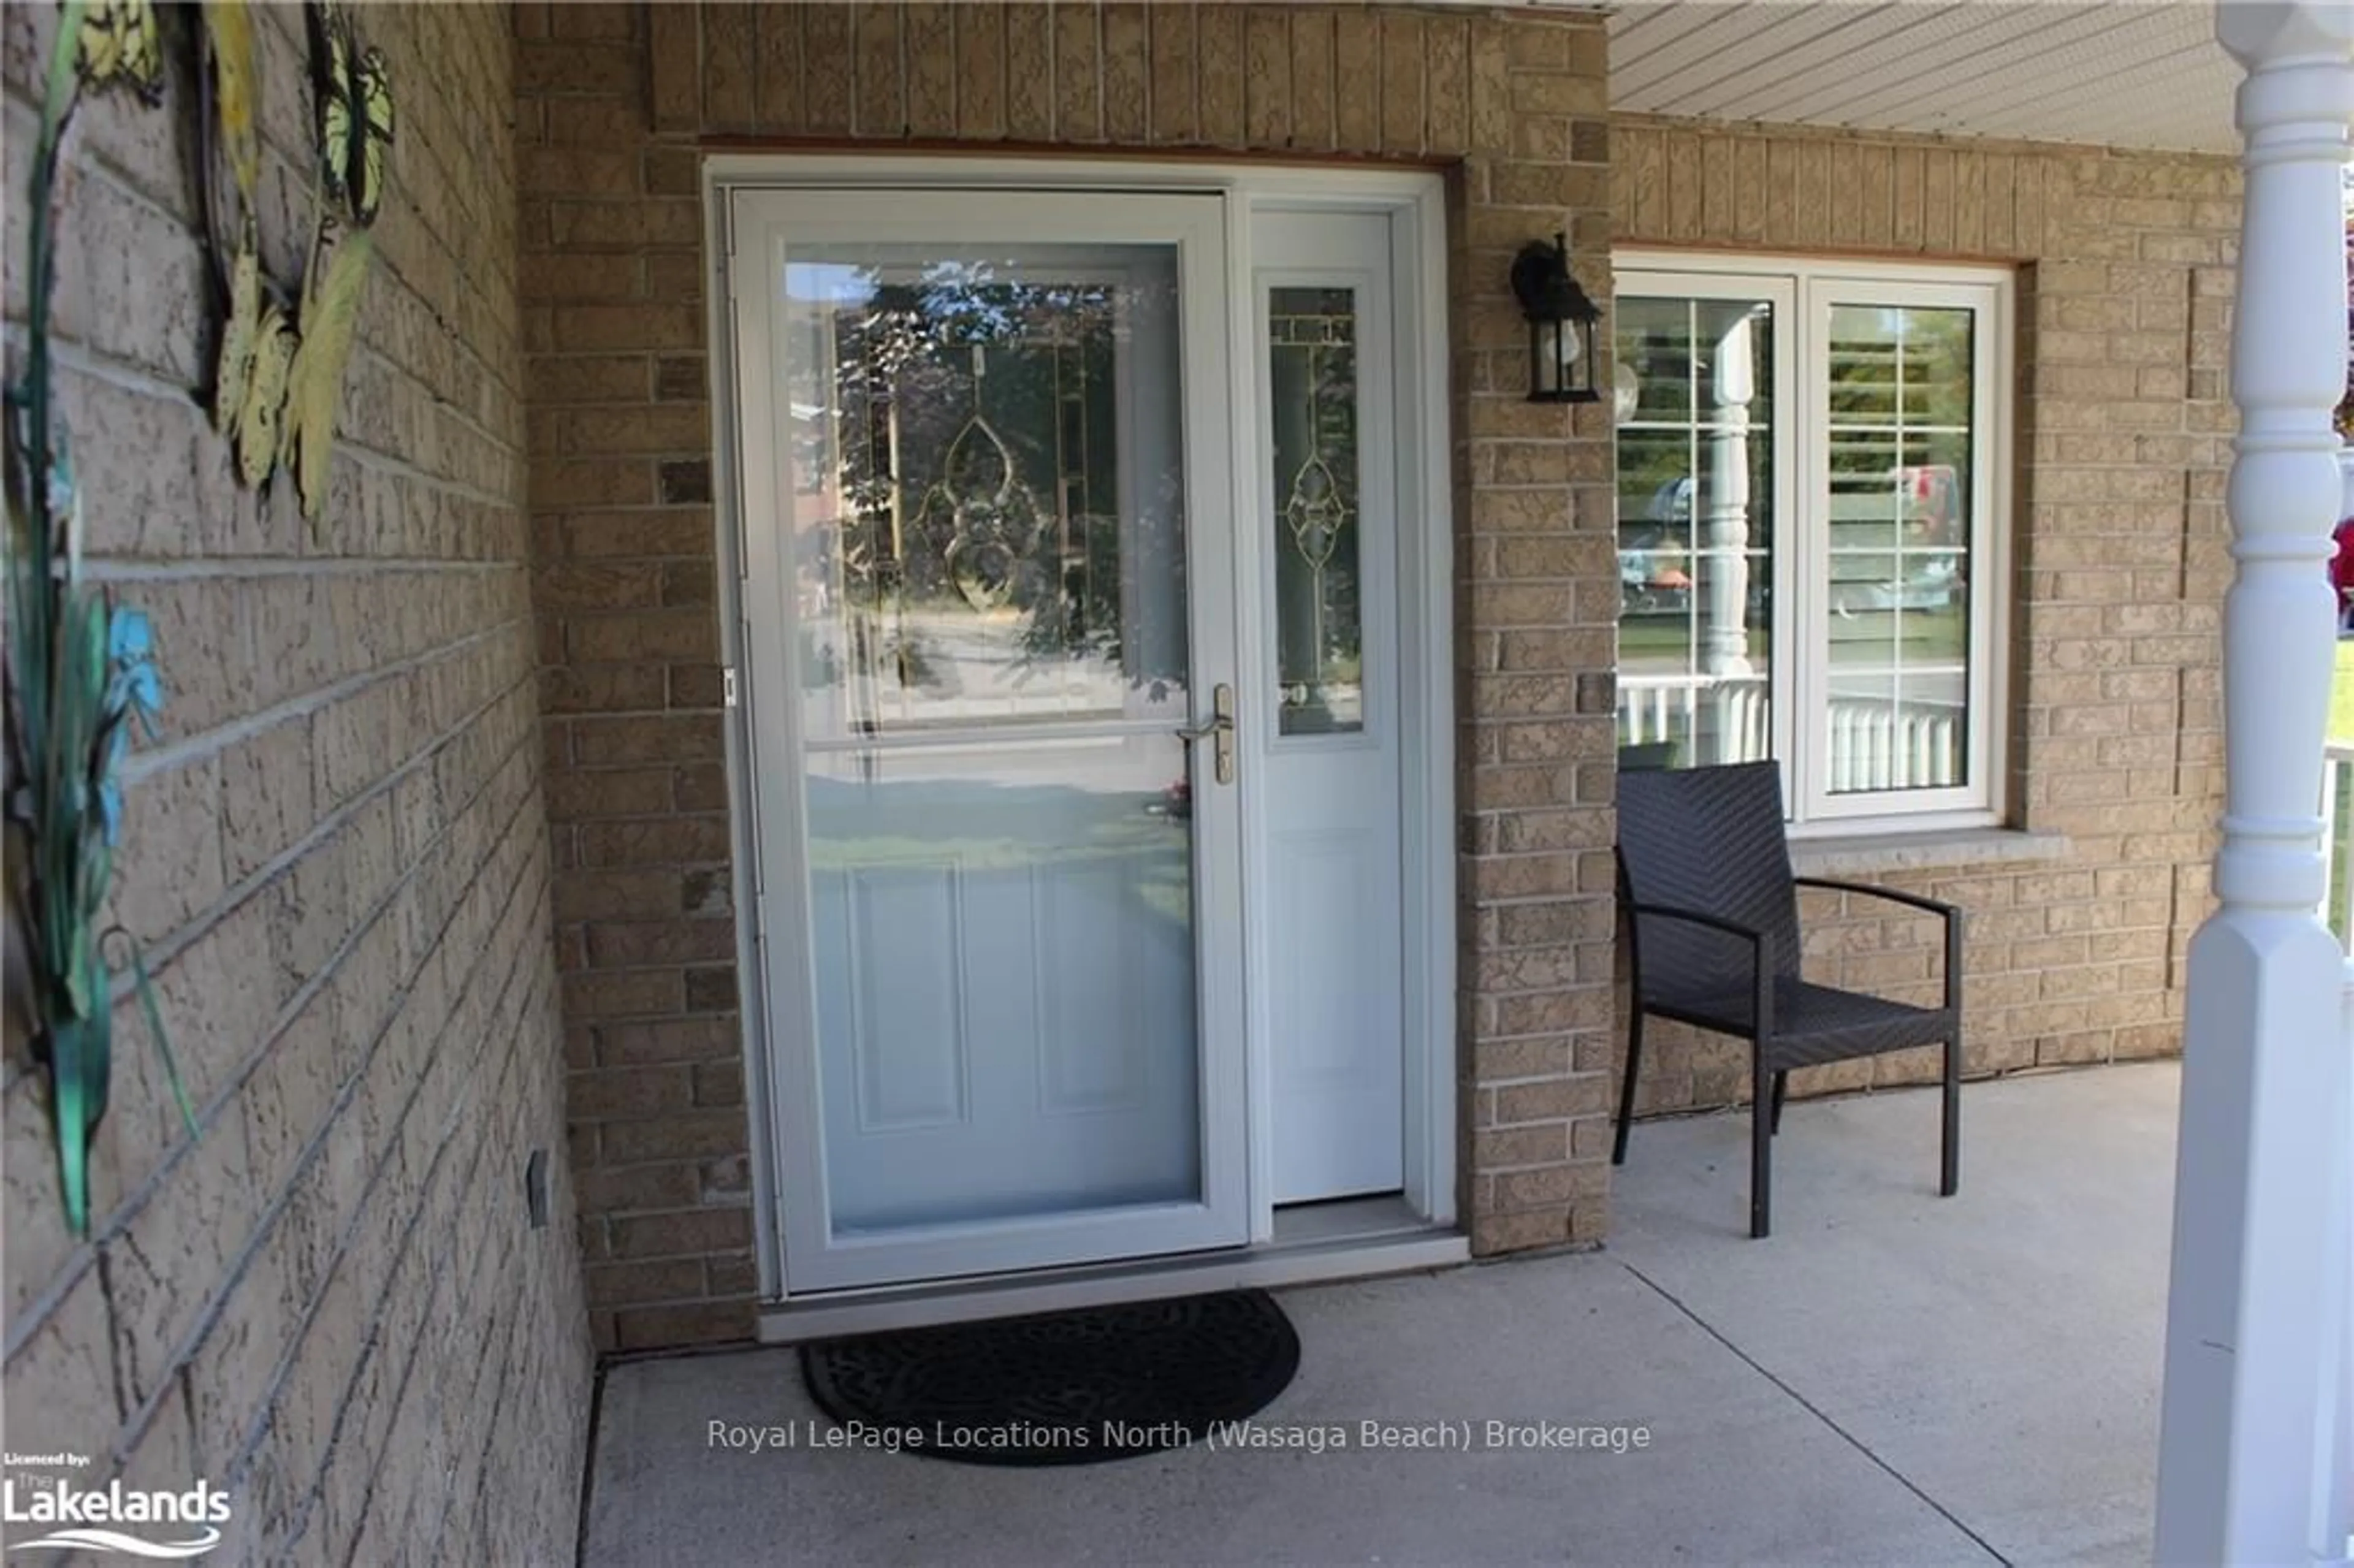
[(1895, 581), (1696, 535)]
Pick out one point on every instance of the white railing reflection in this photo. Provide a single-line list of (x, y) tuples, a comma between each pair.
[(1719, 719), (2338, 840), (1654, 708)]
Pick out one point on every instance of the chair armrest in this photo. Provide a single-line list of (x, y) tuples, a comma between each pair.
[(1949, 913), (1871, 890)]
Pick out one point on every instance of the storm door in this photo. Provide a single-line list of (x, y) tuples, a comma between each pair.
[(989, 565)]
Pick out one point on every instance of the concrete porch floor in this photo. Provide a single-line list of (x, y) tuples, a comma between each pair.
[(1890, 1379)]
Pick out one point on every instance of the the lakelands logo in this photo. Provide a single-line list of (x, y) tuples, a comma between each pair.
[(173, 1524)]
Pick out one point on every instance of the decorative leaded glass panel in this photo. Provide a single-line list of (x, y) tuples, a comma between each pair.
[(996, 529), (1312, 396)]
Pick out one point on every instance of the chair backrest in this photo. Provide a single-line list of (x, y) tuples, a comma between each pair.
[(1709, 839)]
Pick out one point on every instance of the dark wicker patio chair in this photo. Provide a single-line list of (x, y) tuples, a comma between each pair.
[(1712, 921)]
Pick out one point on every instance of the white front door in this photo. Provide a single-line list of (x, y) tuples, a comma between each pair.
[(1073, 710)]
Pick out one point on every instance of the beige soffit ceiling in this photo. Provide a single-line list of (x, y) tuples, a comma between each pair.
[(2129, 73)]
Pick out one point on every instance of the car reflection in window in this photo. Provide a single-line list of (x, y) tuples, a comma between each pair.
[(1655, 557), (1653, 554)]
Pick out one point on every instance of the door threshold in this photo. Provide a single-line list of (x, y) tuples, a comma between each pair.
[(1399, 1250), (1344, 1219)]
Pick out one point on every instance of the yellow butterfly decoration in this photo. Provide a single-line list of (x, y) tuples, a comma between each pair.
[(355, 117), (235, 368), (315, 386), (228, 36), (257, 354), (121, 42), (278, 381)]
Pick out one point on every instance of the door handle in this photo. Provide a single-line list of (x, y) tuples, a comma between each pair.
[(1219, 730)]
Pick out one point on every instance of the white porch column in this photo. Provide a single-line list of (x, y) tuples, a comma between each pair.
[(1724, 557), (2255, 1315)]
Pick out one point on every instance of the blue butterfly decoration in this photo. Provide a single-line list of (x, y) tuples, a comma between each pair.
[(134, 692)]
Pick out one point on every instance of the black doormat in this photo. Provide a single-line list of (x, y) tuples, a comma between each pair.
[(1061, 1388)]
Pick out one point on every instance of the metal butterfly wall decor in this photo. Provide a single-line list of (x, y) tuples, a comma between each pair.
[(355, 116), (81, 669), (279, 375)]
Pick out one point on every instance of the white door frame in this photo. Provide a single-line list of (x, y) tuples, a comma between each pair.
[(1426, 643)]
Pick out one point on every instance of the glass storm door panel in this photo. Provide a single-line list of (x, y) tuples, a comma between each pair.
[(1013, 1020)]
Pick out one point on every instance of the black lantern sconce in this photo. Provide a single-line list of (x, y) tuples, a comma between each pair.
[(1561, 323)]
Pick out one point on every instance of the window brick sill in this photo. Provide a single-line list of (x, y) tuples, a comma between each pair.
[(1883, 852)]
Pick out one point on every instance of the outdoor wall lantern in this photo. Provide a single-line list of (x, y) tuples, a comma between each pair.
[(1561, 323)]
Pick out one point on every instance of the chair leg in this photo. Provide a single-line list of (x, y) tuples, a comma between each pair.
[(1626, 1090), (1950, 1175), (1761, 1148), (1781, 1092)]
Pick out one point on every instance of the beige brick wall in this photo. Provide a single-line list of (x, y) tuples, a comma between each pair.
[(2118, 561), (327, 1301), (615, 99)]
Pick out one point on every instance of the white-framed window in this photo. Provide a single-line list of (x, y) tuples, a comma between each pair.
[(1811, 461)]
